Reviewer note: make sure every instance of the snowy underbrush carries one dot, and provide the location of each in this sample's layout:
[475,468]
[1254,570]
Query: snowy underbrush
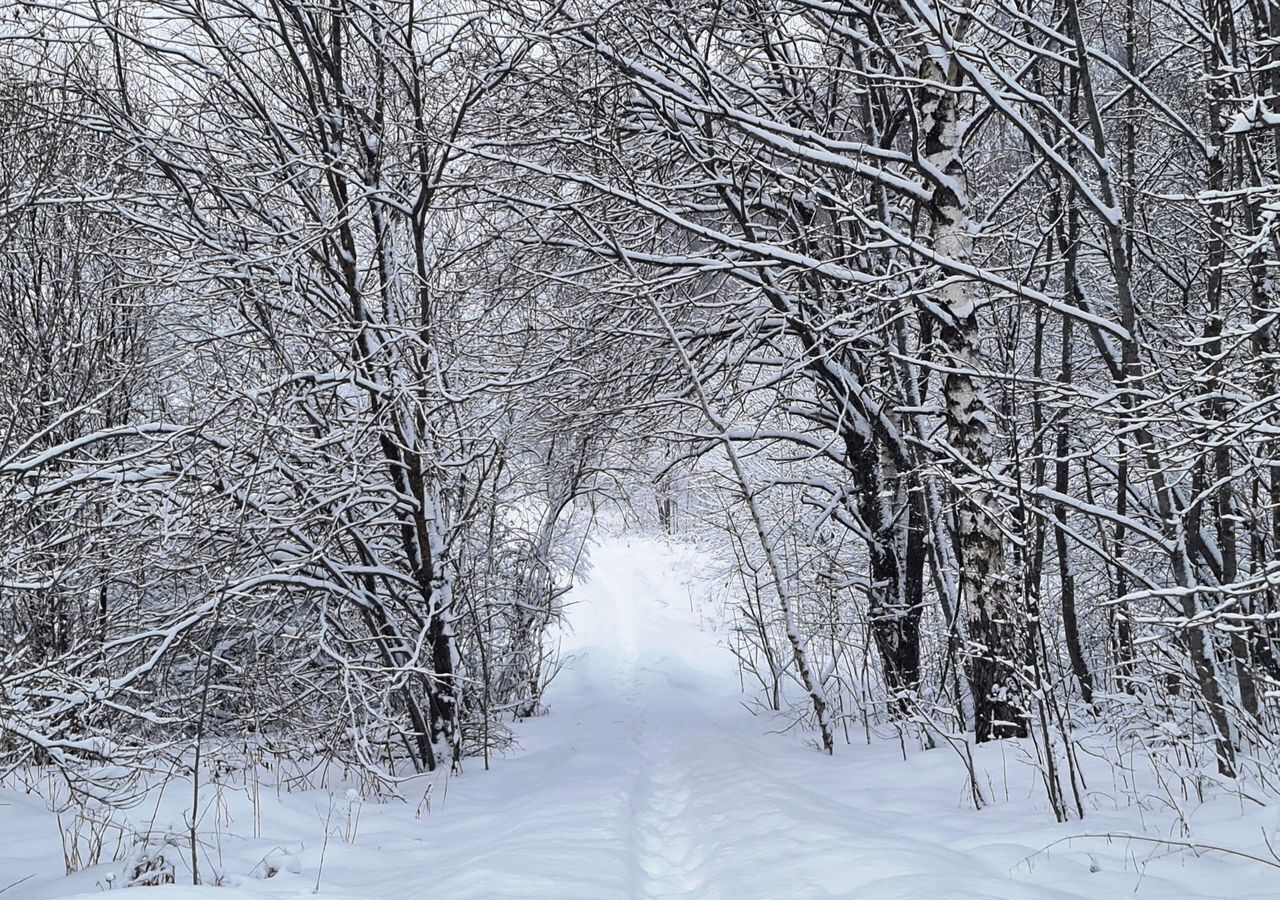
[1123,774]
[1155,799]
[255,811]
[139,828]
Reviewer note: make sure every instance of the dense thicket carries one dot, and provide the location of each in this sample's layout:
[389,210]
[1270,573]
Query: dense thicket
[330,325]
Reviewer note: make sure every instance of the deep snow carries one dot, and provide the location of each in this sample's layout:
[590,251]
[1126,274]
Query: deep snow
[650,779]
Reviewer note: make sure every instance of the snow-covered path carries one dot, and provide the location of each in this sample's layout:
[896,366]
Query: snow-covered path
[650,780]
[695,792]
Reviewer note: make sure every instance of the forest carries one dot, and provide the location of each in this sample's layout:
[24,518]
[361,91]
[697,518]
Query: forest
[337,332]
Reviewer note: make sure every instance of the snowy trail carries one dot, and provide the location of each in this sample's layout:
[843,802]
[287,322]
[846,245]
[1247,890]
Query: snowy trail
[706,812]
[654,782]
[648,779]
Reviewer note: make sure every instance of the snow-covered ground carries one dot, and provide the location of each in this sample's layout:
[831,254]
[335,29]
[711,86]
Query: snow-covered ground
[650,779]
